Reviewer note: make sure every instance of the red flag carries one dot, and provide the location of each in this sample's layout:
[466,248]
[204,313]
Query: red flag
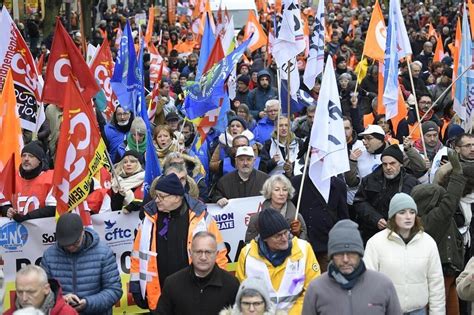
[157,67]
[215,56]
[80,152]
[40,63]
[8,180]
[66,60]
[102,67]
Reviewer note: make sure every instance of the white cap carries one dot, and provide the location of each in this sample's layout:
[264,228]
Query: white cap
[371,129]
[247,151]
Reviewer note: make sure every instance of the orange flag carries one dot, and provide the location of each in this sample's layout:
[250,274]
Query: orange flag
[439,52]
[65,60]
[431,30]
[149,26]
[376,34]
[81,151]
[354,4]
[259,38]
[470,7]
[11,140]
[455,52]
[8,181]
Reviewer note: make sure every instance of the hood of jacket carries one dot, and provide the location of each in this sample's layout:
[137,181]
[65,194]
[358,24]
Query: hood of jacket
[427,197]
[263,73]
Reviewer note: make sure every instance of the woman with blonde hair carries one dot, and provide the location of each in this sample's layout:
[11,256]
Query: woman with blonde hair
[165,141]
[409,257]
[127,188]
[278,192]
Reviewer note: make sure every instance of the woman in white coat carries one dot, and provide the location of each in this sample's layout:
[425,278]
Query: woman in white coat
[409,257]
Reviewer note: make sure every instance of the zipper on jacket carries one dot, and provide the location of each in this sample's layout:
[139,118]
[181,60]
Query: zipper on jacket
[349,293]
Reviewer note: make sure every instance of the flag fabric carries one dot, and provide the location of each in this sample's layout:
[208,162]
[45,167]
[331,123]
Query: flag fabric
[204,95]
[465,84]
[291,66]
[380,86]
[102,67]
[66,59]
[152,165]
[301,100]
[91,52]
[207,42]
[124,81]
[402,110]
[228,40]
[431,30]
[11,140]
[158,69]
[16,55]
[216,55]
[8,180]
[315,62]
[374,46]
[149,26]
[253,26]
[439,51]
[403,42]
[327,142]
[81,151]
[289,39]
[470,7]
[393,53]
[455,50]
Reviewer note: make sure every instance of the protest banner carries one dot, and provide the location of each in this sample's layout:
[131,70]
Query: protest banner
[24,243]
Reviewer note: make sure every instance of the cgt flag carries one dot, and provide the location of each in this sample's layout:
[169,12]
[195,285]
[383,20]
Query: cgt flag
[81,152]
[66,62]
[16,55]
[328,142]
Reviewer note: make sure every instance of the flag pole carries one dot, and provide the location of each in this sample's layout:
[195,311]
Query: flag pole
[280,104]
[81,25]
[288,101]
[440,97]
[300,192]
[416,107]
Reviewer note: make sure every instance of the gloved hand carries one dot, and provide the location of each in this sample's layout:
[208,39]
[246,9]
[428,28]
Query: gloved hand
[295,228]
[453,158]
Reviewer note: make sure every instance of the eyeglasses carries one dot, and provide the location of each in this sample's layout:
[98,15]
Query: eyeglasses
[425,102]
[161,196]
[467,145]
[122,114]
[206,253]
[252,304]
[282,234]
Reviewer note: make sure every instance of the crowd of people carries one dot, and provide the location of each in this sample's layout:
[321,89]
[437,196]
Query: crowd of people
[394,237]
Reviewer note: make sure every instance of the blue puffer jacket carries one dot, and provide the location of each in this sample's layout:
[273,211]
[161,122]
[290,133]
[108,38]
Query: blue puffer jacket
[90,273]
[264,129]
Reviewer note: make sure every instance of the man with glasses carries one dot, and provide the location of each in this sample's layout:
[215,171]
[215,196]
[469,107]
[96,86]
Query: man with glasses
[34,290]
[266,125]
[116,131]
[286,264]
[348,287]
[208,287]
[84,265]
[163,242]
[464,145]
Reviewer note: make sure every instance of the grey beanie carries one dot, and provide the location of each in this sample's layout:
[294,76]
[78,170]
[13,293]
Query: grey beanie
[258,285]
[344,237]
[399,202]
[138,126]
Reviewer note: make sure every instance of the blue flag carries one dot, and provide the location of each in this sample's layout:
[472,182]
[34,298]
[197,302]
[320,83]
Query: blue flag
[303,99]
[205,94]
[207,42]
[152,163]
[125,82]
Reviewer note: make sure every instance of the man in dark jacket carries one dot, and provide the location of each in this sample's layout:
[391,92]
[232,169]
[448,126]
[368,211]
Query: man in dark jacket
[34,290]
[319,215]
[377,189]
[207,288]
[85,267]
[260,95]
[241,95]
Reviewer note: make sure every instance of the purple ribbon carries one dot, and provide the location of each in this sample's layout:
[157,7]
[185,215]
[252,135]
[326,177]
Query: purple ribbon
[164,229]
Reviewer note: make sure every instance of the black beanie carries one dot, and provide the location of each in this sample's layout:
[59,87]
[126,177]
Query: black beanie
[393,151]
[135,154]
[35,149]
[245,79]
[239,119]
[271,222]
[340,59]
[170,184]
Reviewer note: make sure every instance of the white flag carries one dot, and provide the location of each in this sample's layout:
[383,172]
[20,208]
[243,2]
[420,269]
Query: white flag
[294,76]
[328,141]
[289,41]
[315,63]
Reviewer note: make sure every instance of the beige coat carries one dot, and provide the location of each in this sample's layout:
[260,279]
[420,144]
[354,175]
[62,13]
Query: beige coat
[465,284]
